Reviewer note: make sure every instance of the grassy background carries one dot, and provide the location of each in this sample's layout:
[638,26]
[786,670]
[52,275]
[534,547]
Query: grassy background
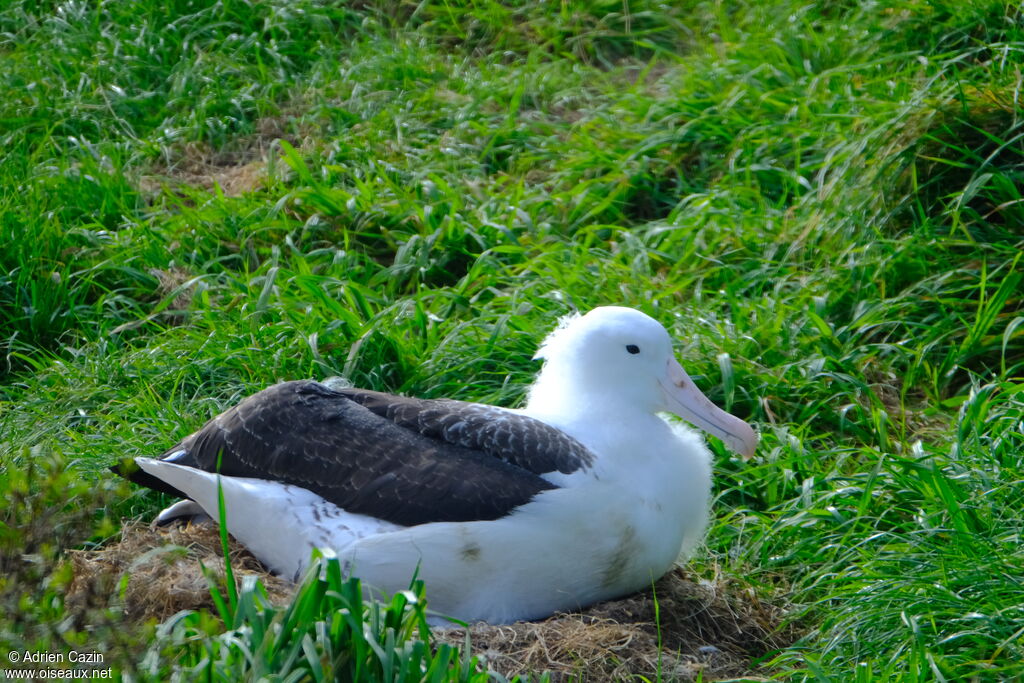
[822,203]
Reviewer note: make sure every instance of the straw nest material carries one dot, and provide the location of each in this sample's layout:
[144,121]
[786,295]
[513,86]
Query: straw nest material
[709,629]
[157,572]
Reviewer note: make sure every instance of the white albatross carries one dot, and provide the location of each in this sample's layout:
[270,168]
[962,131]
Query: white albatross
[585,494]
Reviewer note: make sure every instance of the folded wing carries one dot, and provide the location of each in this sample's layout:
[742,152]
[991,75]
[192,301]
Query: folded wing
[407,461]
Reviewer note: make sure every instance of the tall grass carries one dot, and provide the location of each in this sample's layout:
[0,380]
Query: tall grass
[822,203]
[327,633]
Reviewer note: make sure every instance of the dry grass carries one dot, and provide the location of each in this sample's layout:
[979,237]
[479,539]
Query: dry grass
[155,573]
[714,629]
[208,172]
[237,168]
[709,629]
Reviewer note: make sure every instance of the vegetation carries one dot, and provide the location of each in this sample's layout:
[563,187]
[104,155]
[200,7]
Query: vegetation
[822,202]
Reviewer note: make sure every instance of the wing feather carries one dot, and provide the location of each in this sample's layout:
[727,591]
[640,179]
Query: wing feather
[407,461]
[512,437]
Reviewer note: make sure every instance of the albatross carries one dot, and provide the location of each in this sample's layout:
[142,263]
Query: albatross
[585,494]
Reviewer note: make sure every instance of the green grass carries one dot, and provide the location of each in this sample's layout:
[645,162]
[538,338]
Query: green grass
[823,204]
[327,633]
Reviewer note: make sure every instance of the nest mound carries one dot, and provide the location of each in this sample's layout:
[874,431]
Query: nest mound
[157,572]
[707,629]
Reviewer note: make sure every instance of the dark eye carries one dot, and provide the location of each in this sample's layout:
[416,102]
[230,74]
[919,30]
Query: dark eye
[633,348]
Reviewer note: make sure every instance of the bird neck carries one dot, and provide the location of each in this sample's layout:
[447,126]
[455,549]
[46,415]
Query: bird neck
[557,391]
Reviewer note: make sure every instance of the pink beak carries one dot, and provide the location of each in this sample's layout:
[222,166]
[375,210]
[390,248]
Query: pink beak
[683,398]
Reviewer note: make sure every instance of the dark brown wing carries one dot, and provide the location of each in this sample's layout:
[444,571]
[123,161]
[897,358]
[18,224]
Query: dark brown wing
[401,468]
[514,438]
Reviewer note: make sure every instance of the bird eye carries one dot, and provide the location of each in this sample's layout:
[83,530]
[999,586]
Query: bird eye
[633,348]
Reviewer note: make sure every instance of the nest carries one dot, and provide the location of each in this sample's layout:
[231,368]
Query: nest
[156,572]
[707,631]
[681,629]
